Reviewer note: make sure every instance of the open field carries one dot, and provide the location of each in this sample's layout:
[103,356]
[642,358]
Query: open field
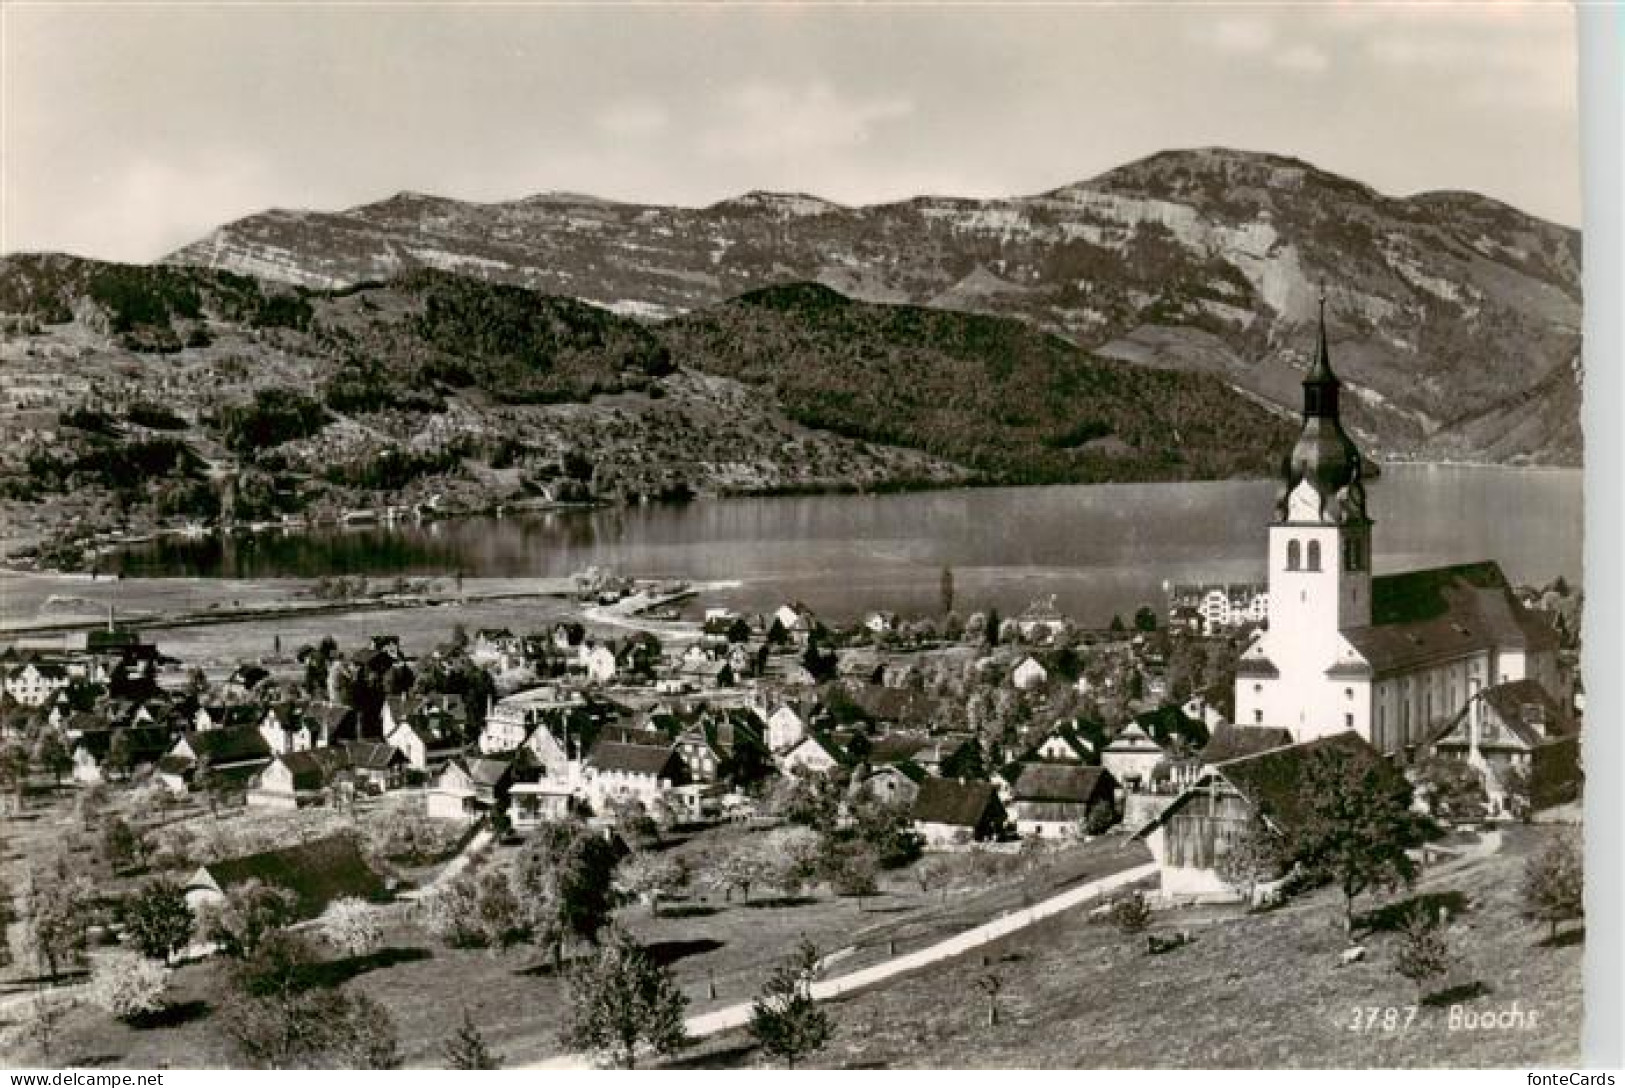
[708,942]
[1251,991]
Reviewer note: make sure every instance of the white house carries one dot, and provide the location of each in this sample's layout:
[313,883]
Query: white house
[618,772]
[35,681]
[785,729]
[598,661]
[1131,757]
[1029,675]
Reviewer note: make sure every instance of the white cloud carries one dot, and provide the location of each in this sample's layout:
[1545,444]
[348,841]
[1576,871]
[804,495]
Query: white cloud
[633,118]
[1239,35]
[1303,58]
[760,121]
[129,210]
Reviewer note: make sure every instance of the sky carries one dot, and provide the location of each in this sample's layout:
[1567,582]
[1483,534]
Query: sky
[130,129]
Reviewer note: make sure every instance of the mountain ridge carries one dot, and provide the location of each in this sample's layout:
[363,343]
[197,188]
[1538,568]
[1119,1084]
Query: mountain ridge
[1446,305]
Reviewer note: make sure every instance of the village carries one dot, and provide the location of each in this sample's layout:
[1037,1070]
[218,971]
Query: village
[877,787]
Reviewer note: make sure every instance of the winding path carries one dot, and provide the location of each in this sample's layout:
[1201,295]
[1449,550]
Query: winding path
[734,1016]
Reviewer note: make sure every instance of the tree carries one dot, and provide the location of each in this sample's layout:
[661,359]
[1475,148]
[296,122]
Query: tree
[57,924]
[466,1049]
[1145,619]
[450,911]
[570,872]
[365,1036]
[933,874]
[51,756]
[622,999]
[1519,786]
[158,919]
[128,985]
[990,632]
[45,1015]
[649,876]
[851,867]
[251,911]
[785,1019]
[1251,857]
[945,591]
[1099,818]
[122,845]
[1131,913]
[1451,788]
[1554,883]
[1424,952]
[120,755]
[990,984]
[279,1020]
[1355,825]
[1116,626]
[351,927]
[14,772]
[207,782]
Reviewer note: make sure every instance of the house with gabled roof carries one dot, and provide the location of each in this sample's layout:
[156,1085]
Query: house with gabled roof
[1190,836]
[235,755]
[318,874]
[785,729]
[1029,674]
[429,730]
[1052,800]
[894,784]
[285,730]
[616,772]
[377,766]
[949,812]
[294,780]
[1070,741]
[469,786]
[724,743]
[146,745]
[227,716]
[816,754]
[33,682]
[1132,757]
[1513,731]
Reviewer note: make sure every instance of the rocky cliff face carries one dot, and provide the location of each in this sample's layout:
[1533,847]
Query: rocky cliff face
[1455,320]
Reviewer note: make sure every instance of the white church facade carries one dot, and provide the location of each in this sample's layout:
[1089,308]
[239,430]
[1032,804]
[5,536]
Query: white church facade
[1389,657]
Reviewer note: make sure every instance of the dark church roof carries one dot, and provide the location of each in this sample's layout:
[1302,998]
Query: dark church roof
[1443,613]
[1239,741]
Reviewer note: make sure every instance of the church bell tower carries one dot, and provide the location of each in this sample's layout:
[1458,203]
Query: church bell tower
[1320,539]
[1301,673]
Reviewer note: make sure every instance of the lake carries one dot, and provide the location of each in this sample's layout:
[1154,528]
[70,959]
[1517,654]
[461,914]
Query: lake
[1100,549]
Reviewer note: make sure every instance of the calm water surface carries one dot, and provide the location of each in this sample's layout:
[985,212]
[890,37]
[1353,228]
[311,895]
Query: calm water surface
[1099,549]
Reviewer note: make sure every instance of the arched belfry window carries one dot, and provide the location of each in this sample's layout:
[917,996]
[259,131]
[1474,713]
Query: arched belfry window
[1314,555]
[1293,555]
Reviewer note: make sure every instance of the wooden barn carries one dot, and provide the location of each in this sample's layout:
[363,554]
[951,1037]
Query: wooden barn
[1189,837]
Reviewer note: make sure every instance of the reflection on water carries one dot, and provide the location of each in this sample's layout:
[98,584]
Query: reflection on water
[1100,549]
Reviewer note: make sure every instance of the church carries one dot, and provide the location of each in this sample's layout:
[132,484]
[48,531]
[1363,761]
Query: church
[1393,657]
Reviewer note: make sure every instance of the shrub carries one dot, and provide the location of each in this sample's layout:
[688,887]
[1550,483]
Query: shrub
[1131,913]
[128,985]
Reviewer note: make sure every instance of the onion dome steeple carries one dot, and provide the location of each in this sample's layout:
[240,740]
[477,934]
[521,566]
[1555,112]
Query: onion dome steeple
[1324,457]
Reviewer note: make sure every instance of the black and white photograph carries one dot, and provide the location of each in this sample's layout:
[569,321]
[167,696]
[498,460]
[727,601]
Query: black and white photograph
[799,536]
